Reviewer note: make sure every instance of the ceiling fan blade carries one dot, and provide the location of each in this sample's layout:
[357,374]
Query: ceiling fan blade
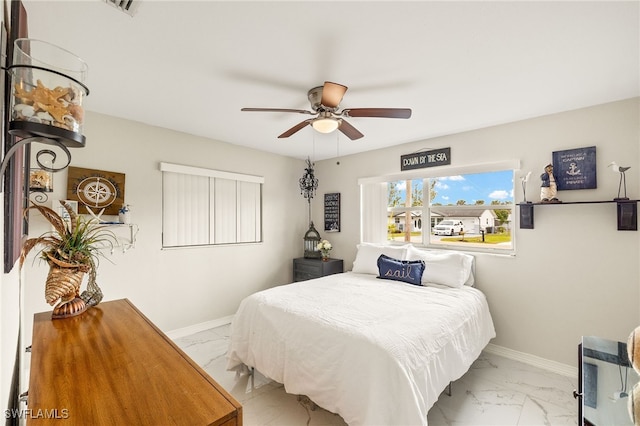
[332,94]
[295,128]
[299,111]
[350,131]
[378,112]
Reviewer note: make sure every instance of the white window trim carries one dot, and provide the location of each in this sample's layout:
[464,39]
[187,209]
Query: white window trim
[438,172]
[443,171]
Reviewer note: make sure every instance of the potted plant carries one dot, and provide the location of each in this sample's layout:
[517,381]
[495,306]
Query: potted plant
[71,249]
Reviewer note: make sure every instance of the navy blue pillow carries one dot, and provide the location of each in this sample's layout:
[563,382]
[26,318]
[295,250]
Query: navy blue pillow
[408,271]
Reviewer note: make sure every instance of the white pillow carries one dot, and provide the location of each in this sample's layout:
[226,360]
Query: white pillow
[368,253]
[449,268]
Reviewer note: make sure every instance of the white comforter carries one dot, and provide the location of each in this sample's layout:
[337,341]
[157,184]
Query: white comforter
[375,351]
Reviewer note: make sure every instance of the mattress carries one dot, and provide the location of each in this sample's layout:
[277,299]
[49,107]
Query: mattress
[371,350]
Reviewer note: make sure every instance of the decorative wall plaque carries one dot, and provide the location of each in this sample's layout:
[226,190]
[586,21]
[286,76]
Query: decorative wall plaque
[575,168]
[96,189]
[332,212]
[423,159]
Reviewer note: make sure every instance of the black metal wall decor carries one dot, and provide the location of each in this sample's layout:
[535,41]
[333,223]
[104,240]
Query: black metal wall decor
[308,186]
[42,103]
[308,182]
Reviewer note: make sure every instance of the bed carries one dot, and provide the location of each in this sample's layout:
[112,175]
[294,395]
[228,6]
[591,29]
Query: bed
[375,351]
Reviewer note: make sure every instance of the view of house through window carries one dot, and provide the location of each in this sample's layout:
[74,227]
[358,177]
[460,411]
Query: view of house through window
[472,210]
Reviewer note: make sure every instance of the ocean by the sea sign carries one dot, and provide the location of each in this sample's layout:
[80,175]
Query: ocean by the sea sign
[423,159]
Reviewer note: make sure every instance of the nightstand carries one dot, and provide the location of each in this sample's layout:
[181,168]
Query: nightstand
[306,269]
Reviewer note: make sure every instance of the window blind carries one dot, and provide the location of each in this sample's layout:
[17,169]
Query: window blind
[205,206]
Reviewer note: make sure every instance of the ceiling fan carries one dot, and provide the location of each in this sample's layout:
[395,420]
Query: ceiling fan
[324,103]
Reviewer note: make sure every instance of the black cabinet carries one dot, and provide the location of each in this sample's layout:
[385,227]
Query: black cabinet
[306,269]
[606,382]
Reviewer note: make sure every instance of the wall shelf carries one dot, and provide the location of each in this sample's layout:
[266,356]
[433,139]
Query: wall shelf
[627,212]
[125,233]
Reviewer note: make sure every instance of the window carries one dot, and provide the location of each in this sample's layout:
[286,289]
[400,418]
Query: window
[467,208]
[204,207]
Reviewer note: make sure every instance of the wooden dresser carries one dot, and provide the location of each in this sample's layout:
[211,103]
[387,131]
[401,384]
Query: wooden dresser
[112,366]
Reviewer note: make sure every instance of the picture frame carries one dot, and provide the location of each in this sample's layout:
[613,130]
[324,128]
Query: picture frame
[332,212]
[575,168]
[96,189]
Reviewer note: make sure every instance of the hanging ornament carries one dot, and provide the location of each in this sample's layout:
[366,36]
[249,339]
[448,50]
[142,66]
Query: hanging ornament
[308,182]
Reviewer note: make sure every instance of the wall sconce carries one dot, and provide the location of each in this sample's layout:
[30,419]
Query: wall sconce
[40,180]
[45,104]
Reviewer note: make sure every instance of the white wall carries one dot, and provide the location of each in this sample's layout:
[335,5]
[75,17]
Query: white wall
[574,274]
[568,279]
[181,287]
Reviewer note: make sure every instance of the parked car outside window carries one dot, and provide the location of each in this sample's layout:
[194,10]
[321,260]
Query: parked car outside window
[448,227]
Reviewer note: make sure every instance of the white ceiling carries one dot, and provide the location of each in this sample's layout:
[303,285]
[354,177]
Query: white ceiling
[191,66]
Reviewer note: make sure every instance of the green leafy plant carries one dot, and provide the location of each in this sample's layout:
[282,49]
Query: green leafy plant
[76,243]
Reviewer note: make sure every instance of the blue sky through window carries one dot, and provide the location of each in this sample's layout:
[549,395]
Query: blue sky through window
[470,187]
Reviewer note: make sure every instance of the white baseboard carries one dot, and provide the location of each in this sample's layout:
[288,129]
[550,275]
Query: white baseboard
[196,328]
[536,361]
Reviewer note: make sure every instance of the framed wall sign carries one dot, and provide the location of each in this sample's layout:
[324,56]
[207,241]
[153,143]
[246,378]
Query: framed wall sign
[332,212]
[575,168]
[96,189]
[423,159]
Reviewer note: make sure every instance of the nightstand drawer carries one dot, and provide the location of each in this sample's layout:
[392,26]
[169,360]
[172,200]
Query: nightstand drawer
[306,269]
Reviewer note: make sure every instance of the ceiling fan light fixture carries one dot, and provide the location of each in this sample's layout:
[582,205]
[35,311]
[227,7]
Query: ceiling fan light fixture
[325,125]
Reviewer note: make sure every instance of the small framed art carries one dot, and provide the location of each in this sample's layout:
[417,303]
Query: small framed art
[575,168]
[332,212]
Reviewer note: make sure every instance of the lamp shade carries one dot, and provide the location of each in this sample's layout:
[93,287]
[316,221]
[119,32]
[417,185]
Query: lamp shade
[325,125]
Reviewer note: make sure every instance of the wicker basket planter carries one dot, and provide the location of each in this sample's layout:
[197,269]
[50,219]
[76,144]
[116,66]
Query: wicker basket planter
[63,285]
[71,250]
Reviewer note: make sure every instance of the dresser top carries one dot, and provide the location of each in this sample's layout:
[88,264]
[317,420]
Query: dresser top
[111,365]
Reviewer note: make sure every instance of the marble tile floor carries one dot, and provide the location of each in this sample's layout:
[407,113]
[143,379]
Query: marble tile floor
[495,391]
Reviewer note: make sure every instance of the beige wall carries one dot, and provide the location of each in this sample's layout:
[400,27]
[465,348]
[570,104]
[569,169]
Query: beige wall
[181,287]
[574,274]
